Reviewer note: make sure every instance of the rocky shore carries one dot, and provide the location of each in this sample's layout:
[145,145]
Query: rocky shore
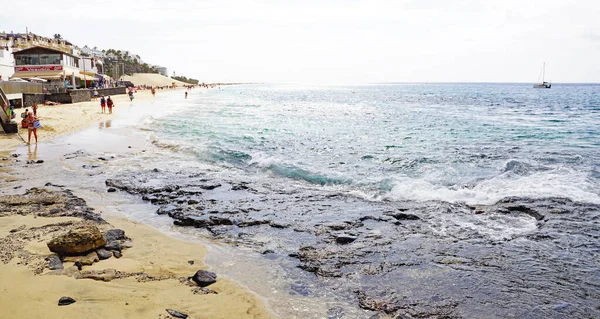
[400,259]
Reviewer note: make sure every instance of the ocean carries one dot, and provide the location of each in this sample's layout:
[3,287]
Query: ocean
[350,201]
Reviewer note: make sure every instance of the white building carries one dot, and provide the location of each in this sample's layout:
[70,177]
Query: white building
[92,52]
[7,60]
[7,63]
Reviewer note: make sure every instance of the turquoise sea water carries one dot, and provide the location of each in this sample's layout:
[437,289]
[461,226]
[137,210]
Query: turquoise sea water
[472,143]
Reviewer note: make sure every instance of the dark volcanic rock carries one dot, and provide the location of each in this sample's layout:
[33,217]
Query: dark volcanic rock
[403,216]
[117,254]
[111,190]
[103,253]
[54,262]
[345,239]
[113,245]
[65,301]
[204,278]
[77,241]
[167,209]
[176,313]
[115,234]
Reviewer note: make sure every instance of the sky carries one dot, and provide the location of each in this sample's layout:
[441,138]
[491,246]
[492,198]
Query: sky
[334,41]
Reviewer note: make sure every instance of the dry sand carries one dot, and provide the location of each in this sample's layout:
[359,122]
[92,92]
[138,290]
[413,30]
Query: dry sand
[152,79]
[26,293]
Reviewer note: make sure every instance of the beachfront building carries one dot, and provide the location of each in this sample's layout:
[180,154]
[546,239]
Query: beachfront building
[15,42]
[59,67]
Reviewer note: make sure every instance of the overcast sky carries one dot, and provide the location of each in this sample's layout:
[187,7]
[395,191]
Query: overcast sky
[334,41]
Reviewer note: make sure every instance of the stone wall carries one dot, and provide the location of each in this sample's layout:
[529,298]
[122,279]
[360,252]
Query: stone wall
[80,96]
[63,98]
[112,91]
[29,98]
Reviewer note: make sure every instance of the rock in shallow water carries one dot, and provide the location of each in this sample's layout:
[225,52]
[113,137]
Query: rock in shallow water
[344,239]
[77,241]
[65,301]
[176,313]
[204,278]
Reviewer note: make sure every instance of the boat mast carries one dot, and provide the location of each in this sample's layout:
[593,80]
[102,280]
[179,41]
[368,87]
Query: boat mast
[544,73]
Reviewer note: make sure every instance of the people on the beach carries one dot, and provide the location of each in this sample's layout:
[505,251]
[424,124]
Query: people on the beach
[110,104]
[186,95]
[11,111]
[34,108]
[24,118]
[131,95]
[103,104]
[153,92]
[95,94]
[32,124]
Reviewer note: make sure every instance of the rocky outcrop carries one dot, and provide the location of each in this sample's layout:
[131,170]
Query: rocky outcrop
[77,241]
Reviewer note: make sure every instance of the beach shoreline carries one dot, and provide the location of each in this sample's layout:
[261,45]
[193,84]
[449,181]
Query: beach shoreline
[154,253]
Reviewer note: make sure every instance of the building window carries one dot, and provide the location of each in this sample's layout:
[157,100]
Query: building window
[37,59]
[49,59]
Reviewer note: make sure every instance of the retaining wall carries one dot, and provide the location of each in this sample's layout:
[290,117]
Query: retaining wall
[29,98]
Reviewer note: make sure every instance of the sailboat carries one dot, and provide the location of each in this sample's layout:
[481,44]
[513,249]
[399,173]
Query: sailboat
[543,84]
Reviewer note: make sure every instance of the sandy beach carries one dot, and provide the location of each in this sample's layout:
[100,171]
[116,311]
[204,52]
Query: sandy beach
[151,276]
[63,119]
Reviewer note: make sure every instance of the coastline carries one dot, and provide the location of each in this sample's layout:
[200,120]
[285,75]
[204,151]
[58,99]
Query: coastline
[63,119]
[154,253]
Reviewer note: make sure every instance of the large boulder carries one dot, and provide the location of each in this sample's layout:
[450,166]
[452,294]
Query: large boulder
[77,241]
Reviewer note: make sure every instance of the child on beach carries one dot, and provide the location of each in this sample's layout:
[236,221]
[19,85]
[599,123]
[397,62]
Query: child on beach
[103,104]
[131,96]
[186,95]
[31,127]
[153,92]
[110,104]
[34,108]
[24,118]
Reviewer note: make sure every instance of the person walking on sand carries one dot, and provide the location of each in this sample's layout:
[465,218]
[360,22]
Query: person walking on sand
[103,104]
[110,104]
[131,95]
[34,108]
[153,92]
[32,124]
[186,94]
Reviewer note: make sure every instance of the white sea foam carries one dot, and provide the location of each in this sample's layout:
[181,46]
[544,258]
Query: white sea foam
[561,182]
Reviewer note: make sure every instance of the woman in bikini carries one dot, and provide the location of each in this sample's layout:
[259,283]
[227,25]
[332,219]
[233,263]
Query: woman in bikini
[31,127]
